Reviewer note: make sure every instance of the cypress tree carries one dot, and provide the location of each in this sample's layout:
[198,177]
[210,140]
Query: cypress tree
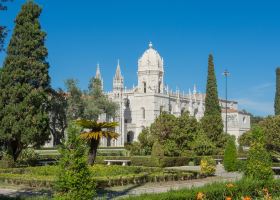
[212,121]
[277,93]
[212,106]
[230,156]
[24,84]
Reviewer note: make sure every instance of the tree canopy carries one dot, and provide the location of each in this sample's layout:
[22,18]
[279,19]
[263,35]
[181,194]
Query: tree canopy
[25,84]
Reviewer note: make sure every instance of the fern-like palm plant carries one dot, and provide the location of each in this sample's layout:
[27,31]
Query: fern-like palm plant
[93,131]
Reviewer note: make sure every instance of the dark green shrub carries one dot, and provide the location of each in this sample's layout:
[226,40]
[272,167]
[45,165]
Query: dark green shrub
[230,156]
[75,180]
[175,161]
[144,161]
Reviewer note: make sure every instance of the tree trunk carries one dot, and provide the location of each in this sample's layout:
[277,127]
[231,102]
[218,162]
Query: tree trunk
[15,149]
[92,151]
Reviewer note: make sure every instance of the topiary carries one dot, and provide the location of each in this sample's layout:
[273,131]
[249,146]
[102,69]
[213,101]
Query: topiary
[230,156]
[207,166]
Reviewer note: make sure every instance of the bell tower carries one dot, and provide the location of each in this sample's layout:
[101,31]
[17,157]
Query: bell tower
[150,72]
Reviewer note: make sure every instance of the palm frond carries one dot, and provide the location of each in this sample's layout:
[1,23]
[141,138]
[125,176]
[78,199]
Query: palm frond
[99,134]
[91,124]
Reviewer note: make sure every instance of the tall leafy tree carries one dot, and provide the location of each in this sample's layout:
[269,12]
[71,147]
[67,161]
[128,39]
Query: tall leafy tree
[277,93]
[212,121]
[24,84]
[97,103]
[75,103]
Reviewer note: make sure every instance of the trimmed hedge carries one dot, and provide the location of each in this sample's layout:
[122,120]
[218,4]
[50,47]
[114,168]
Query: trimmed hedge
[44,177]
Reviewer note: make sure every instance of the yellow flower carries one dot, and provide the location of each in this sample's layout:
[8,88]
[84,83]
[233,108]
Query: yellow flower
[200,196]
[229,185]
[228,198]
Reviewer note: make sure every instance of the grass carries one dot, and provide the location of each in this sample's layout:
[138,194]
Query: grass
[219,191]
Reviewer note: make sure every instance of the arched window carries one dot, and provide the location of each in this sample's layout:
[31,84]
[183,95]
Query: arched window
[130,137]
[159,85]
[182,111]
[145,87]
[143,113]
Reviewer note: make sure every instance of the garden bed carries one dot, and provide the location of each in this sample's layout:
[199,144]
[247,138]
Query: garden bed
[105,176]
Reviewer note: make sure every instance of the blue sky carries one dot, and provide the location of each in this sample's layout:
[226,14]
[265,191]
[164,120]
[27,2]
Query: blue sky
[244,37]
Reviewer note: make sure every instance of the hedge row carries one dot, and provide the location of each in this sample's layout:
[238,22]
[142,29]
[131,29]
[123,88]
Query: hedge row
[102,182]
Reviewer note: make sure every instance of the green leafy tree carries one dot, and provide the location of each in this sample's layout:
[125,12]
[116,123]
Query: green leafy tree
[258,165]
[277,93]
[212,121]
[163,126]
[271,128]
[74,178]
[202,145]
[184,131]
[146,140]
[57,114]
[75,103]
[93,132]
[230,156]
[97,102]
[24,84]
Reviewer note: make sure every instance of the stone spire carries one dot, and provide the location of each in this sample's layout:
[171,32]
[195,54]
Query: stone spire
[194,89]
[118,80]
[98,75]
[118,74]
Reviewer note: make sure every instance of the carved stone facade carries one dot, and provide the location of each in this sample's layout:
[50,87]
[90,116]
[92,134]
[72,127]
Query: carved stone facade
[139,106]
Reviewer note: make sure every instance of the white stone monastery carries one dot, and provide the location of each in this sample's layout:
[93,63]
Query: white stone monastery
[140,106]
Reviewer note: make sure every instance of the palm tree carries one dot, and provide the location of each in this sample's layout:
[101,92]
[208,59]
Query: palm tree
[93,132]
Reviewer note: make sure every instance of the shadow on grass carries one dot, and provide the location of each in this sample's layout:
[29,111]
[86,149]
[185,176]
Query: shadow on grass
[27,194]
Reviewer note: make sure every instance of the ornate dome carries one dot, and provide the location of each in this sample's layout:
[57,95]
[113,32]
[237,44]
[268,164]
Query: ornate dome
[150,60]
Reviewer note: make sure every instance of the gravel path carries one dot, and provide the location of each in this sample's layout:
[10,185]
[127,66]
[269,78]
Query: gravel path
[120,192]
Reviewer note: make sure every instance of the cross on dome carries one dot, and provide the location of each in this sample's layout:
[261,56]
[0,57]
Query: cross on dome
[150,44]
